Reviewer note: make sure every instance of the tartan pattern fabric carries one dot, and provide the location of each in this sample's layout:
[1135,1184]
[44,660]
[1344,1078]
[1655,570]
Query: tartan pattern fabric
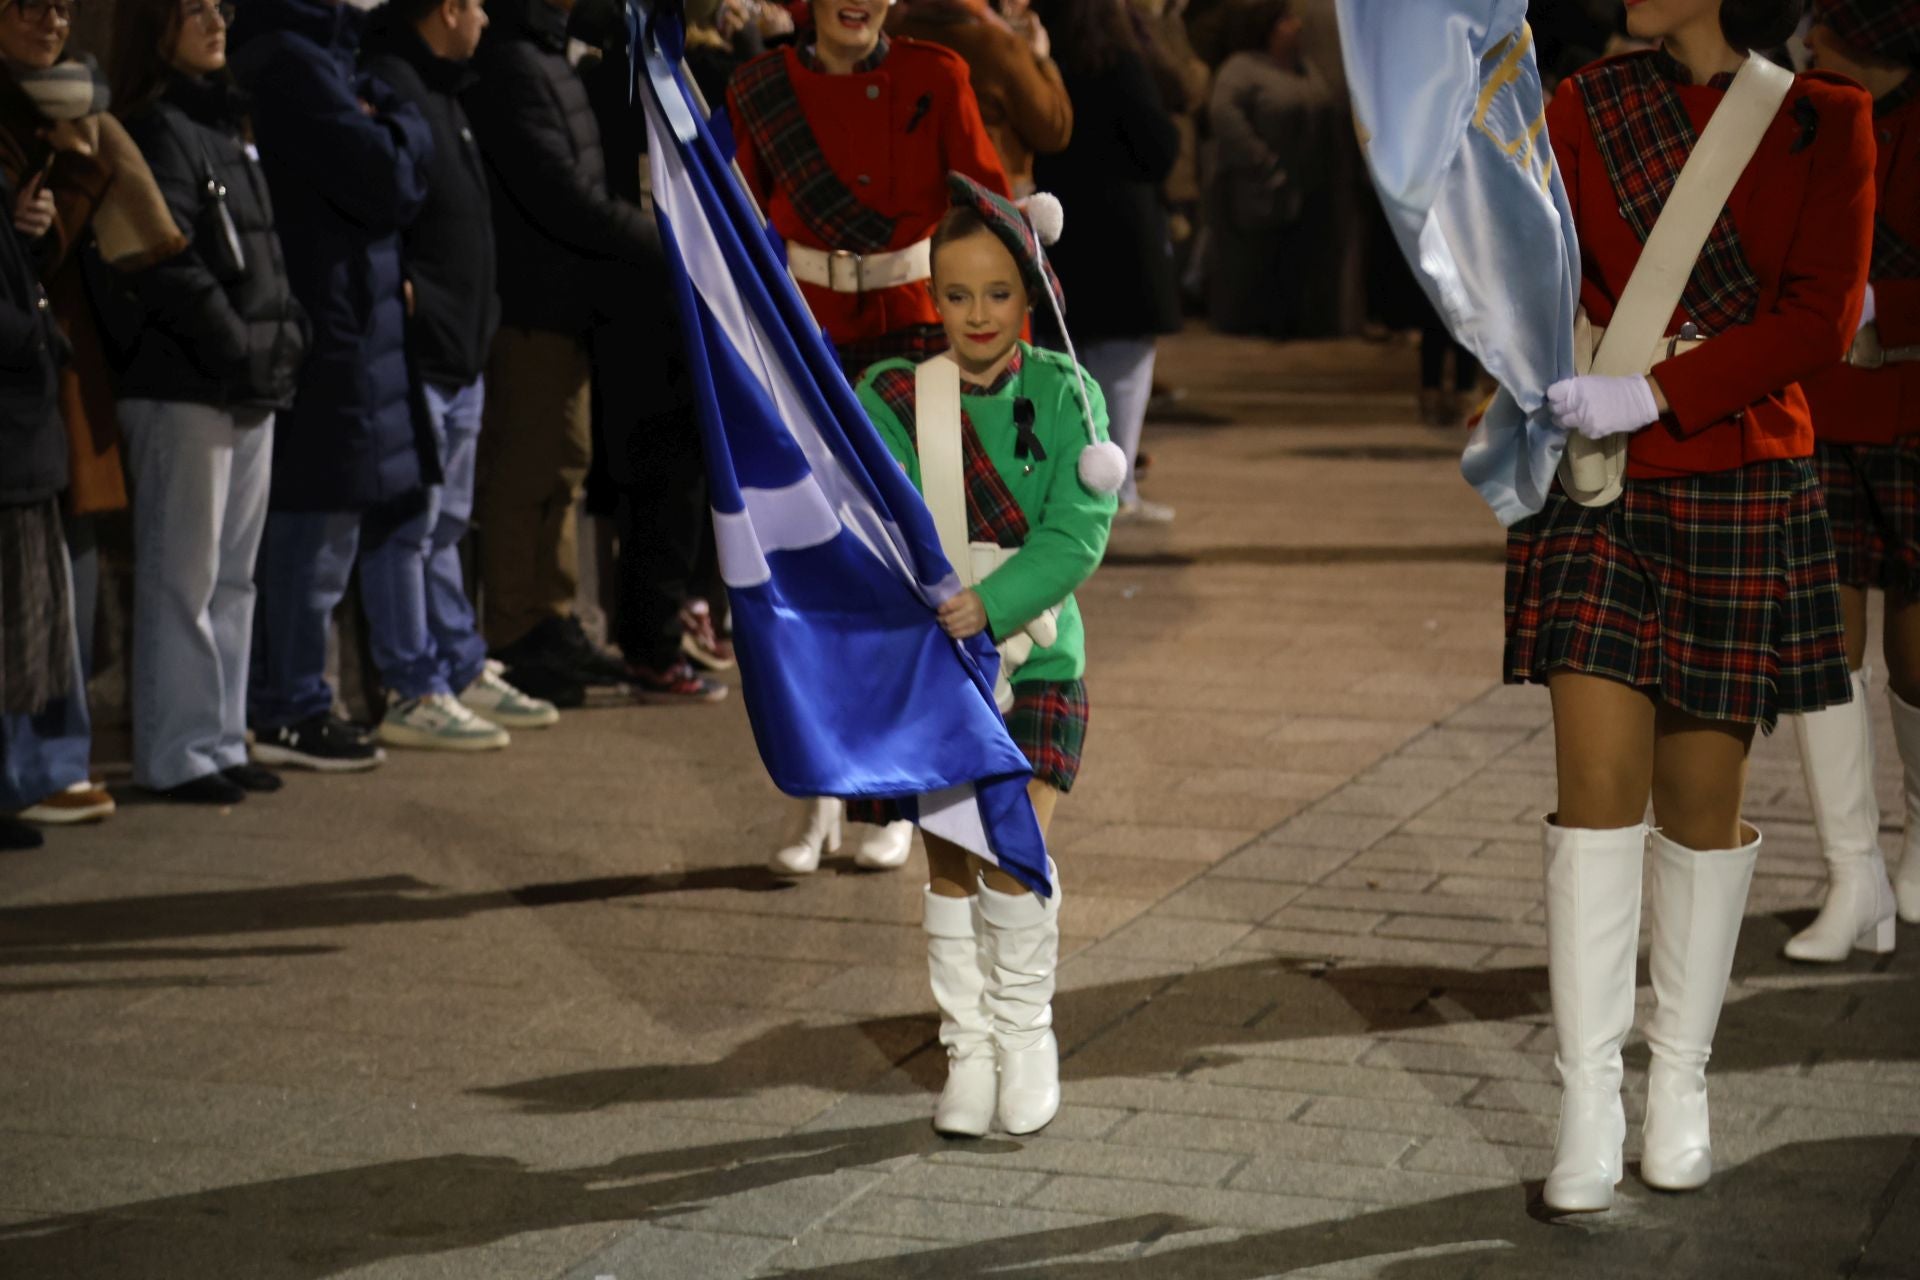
[915,342]
[1644,138]
[784,138]
[1011,227]
[1890,28]
[992,513]
[1873,501]
[1048,722]
[1713,593]
[1894,257]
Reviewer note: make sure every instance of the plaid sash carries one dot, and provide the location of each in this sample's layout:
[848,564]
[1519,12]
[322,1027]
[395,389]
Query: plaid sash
[785,140]
[992,514]
[1645,138]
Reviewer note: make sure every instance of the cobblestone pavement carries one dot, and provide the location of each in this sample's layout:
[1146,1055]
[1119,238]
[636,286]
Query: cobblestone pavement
[541,1014]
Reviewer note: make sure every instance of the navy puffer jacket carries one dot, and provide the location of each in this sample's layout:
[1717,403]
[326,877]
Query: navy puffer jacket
[344,182]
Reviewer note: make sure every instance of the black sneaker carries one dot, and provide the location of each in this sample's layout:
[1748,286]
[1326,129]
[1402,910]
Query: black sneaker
[208,788]
[324,742]
[19,835]
[591,664]
[558,650]
[251,777]
[545,680]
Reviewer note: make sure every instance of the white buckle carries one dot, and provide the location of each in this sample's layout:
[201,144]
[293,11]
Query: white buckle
[845,272]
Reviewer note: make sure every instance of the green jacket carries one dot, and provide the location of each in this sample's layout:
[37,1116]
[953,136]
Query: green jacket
[1067,524]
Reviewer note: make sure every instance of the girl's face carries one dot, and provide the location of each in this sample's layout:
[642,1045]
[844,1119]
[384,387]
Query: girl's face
[981,299]
[200,37]
[33,32]
[1655,19]
[849,28]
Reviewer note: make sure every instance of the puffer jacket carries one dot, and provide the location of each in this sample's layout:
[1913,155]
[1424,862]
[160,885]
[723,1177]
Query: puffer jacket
[347,162]
[215,331]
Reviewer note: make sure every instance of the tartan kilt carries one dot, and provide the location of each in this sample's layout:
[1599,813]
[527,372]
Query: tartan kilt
[1873,500]
[1048,722]
[1715,593]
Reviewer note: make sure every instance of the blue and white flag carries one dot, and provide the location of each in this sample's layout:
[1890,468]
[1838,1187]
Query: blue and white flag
[1451,114]
[831,561]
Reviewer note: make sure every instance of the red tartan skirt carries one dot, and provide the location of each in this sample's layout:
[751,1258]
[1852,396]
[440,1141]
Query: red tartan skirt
[1714,593]
[1048,722]
[1873,499]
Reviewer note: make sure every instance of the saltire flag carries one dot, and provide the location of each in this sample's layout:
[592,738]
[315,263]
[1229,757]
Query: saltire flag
[830,557]
[1448,100]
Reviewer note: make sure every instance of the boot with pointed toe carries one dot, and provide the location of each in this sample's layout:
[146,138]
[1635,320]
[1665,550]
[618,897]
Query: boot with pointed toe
[1699,899]
[816,829]
[1593,936]
[956,968]
[1906,881]
[1022,934]
[1836,754]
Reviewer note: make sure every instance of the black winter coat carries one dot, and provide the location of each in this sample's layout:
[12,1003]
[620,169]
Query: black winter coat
[1115,259]
[561,232]
[215,331]
[450,246]
[345,184]
[33,437]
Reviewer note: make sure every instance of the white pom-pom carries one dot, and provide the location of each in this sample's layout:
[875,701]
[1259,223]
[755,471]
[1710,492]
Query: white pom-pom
[1103,467]
[1044,211]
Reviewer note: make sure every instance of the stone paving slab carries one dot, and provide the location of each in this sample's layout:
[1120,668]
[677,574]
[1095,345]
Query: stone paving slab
[542,1015]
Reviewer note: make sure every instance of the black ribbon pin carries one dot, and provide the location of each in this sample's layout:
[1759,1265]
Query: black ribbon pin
[1028,444]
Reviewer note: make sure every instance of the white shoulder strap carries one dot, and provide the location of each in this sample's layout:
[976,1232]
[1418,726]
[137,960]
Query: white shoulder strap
[936,391]
[1593,469]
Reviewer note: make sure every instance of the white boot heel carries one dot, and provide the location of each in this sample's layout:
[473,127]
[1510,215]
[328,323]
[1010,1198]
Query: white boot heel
[1593,935]
[956,970]
[1022,933]
[816,828]
[1836,754]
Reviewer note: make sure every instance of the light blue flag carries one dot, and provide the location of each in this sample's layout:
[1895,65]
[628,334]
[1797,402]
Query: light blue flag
[1452,117]
[832,564]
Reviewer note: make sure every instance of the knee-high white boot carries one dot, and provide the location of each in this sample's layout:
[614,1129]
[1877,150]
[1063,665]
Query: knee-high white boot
[1836,752]
[883,848]
[816,827]
[1698,900]
[1023,950]
[956,967]
[1593,935]
[1906,732]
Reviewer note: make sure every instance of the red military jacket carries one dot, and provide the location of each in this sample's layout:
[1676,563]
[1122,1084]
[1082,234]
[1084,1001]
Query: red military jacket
[891,134]
[1803,210]
[1877,406]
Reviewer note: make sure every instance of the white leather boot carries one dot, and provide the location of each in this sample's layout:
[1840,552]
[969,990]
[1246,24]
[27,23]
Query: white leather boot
[1906,881]
[957,969]
[1022,933]
[1698,901]
[883,848]
[1836,753]
[816,828]
[1593,936]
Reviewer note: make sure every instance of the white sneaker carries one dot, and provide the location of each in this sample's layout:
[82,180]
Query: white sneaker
[1140,511]
[500,702]
[438,722]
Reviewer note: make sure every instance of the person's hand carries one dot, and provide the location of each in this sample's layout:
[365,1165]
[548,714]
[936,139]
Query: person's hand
[963,615]
[774,21]
[1016,11]
[1598,406]
[80,136]
[33,212]
[406,294]
[1037,38]
[366,108]
[733,15]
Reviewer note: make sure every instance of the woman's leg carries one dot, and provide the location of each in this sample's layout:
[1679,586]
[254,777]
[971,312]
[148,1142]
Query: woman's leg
[1903,674]
[1603,745]
[1124,369]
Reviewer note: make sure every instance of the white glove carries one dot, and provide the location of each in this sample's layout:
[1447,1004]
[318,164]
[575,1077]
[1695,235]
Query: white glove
[1598,406]
[1867,313]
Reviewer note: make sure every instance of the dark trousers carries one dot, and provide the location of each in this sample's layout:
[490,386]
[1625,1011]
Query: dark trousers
[660,518]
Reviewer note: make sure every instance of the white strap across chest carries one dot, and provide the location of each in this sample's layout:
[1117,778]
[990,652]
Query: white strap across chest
[936,391]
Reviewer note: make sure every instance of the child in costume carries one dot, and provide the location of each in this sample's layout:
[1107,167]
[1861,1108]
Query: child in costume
[1008,443]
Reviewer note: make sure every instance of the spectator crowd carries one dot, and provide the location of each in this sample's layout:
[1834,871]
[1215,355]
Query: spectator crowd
[332,302]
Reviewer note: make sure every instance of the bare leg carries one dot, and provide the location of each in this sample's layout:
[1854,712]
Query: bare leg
[1853,615]
[1901,643]
[1603,734]
[1699,776]
[951,870]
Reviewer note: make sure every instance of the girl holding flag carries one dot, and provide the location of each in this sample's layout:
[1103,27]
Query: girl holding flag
[1677,607]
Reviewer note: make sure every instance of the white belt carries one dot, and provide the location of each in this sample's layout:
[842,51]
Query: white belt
[1867,353]
[844,271]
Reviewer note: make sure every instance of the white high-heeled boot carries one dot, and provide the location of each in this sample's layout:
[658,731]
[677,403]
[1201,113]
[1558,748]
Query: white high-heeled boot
[1906,881]
[957,970]
[1699,899]
[1593,936]
[1836,753]
[883,848]
[1022,934]
[817,827]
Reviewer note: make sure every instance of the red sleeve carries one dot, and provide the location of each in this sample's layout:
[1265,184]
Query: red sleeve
[1896,304]
[968,149]
[1822,284]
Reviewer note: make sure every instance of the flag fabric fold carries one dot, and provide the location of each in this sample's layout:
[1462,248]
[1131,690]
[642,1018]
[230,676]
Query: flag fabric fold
[1452,117]
[832,565]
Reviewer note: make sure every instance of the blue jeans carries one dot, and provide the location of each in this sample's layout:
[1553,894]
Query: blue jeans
[1124,369]
[306,559]
[47,752]
[200,477]
[457,645]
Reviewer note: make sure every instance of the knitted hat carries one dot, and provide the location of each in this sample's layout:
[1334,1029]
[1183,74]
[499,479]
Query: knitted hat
[1889,28]
[1026,231]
